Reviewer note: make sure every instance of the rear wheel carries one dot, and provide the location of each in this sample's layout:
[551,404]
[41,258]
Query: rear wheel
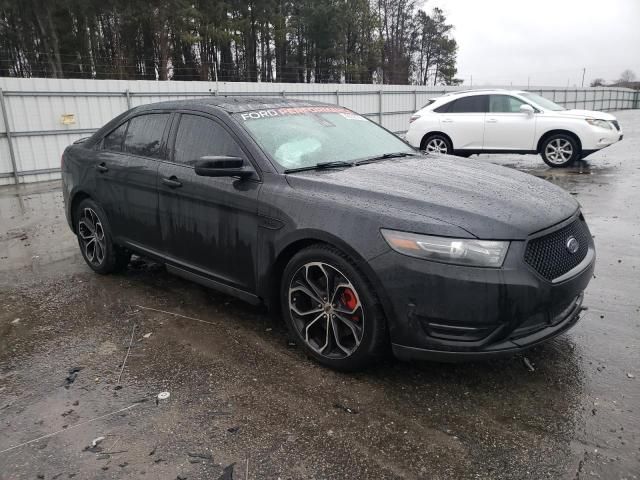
[560,150]
[331,310]
[96,241]
[437,143]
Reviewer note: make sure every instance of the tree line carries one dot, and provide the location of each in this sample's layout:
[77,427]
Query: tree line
[627,79]
[322,41]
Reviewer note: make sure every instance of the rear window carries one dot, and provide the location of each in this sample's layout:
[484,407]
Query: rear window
[113,141]
[144,135]
[446,108]
[472,104]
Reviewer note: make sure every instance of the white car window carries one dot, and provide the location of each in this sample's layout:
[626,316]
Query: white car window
[504,104]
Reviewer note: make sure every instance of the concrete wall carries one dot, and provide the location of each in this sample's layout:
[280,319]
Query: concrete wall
[34,109]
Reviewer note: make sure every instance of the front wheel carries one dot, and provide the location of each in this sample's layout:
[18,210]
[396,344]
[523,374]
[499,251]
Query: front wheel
[95,240]
[436,143]
[559,150]
[330,308]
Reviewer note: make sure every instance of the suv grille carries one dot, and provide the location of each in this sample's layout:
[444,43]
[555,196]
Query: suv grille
[616,124]
[549,255]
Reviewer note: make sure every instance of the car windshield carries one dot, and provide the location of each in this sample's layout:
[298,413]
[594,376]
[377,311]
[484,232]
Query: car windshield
[542,102]
[300,137]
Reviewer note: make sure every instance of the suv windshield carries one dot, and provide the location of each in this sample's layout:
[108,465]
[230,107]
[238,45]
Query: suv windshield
[299,137]
[542,102]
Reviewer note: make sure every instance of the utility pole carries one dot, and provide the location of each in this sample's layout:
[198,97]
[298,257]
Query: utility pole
[215,71]
[584,70]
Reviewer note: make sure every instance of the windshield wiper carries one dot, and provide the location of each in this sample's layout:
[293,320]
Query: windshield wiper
[321,166]
[384,157]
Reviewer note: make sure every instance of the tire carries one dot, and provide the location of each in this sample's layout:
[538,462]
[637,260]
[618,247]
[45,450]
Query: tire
[560,150]
[96,241]
[437,144]
[349,333]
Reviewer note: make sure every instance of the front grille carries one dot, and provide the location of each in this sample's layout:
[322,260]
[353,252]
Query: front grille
[616,124]
[549,255]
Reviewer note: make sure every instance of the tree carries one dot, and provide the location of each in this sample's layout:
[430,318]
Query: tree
[627,76]
[597,82]
[232,40]
[396,32]
[435,55]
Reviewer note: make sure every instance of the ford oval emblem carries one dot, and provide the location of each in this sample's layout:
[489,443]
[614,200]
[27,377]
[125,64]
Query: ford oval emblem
[572,245]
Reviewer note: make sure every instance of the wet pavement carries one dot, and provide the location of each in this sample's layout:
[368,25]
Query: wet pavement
[243,401]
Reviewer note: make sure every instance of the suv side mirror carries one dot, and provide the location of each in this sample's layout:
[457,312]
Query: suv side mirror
[222,166]
[528,109]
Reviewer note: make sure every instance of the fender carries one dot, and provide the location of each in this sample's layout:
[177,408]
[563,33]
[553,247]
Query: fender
[274,262]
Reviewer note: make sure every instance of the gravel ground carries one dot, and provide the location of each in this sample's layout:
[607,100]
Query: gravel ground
[245,404]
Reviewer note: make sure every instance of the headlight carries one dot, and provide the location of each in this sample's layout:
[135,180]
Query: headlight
[413,117]
[458,251]
[599,123]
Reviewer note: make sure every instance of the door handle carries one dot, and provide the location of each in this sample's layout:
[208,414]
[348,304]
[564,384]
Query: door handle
[492,120]
[102,168]
[172,182]
[447,120]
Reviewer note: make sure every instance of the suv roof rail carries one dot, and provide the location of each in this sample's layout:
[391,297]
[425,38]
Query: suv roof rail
[476,90]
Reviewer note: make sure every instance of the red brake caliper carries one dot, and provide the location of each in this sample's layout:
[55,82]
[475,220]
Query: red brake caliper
[349,300]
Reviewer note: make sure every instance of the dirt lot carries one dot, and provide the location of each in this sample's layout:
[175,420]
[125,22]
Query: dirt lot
[245,403]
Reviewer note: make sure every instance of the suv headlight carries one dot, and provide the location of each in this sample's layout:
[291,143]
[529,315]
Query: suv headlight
[599,123]
[457,251]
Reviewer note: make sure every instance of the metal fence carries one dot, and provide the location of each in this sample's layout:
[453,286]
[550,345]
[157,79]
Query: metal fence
[40,117]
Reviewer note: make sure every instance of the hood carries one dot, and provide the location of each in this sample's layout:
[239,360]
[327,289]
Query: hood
[488,201]
[582,114]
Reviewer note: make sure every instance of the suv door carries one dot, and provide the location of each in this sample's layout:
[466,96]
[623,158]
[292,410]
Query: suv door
[127,177]
[209,225]
[506,127]
[463,121]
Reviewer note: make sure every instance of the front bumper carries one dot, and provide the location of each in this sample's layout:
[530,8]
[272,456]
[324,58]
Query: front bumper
[447,312]
[504,347]
[599,138]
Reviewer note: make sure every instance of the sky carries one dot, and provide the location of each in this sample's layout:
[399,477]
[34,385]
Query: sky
[543,42]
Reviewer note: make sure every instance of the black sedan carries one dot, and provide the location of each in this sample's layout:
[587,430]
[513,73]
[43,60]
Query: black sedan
[359,241]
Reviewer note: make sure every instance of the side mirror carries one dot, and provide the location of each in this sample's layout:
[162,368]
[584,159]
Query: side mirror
[222,166]
[528,109]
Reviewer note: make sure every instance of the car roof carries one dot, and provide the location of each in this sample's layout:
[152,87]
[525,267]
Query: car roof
[477,91]
[484,91]
[231,104]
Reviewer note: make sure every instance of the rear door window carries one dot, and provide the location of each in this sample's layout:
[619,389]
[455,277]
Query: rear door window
[113,141]
[144,135]
[200,136]
[472,104]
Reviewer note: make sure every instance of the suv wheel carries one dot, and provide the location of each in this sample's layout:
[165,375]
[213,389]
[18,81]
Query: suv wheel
[559,150]
[331,310]
[95,239]
[438,144]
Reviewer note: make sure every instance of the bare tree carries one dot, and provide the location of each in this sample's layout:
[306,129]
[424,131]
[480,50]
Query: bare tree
[597,82]
[627,76]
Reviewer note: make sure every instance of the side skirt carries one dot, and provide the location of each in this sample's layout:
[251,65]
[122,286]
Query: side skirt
[187,272]
[210,283]
[478,152]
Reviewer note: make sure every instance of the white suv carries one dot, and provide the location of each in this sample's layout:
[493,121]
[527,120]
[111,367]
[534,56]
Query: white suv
[505,121]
